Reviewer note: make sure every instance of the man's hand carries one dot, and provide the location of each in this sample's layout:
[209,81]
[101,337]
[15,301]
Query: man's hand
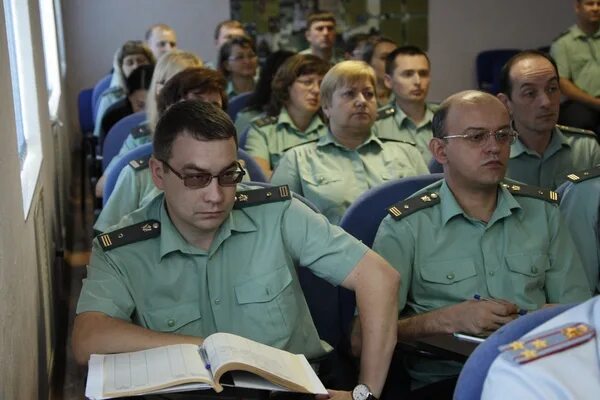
[335,394]
[480,316]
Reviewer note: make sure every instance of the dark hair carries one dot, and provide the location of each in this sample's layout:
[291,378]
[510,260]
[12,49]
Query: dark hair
[390,60]
[372,43]
[438,123]
[230,23]
[201,120]
[140,78]
[505,82]
[203,80]
[353,41]
[319,16]
[226,50]
[150,30]
[262,92]
[294,67]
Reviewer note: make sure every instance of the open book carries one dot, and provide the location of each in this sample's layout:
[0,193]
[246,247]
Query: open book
[190,367]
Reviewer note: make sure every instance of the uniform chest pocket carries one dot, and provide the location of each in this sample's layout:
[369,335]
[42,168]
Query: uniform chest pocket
[529,265]
[448,272]
[321,179]
[268,306]
[185,316]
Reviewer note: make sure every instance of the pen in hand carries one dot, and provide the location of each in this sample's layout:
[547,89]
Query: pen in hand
[480,298]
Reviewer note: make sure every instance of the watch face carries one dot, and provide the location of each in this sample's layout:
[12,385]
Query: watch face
[361,392]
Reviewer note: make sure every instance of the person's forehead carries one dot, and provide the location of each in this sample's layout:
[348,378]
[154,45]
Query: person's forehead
[353,82]
[484,113]
[321,24]
[532,69]
[411,61]
[201,152]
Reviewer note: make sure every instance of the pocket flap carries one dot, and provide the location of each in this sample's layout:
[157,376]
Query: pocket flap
[526,264]
[172,318]
[320,179]
[263,288]
[448,272]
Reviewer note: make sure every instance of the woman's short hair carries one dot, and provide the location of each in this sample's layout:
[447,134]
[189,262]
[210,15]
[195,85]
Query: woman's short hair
[129,48]
[342,74]
[168,65]
[202,80]
[227,48]
[294,67]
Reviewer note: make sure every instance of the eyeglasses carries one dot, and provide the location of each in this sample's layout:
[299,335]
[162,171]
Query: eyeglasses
[203,179]
[481,137]
[242,57]
[308,83]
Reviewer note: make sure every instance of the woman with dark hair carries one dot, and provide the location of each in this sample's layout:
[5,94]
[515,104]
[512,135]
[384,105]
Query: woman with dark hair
[293,114]
[262,93]
[238,63]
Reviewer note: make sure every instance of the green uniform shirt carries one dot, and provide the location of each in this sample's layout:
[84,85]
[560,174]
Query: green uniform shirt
[244,284]
[332,176]
[570,149]
[140,135]
[244,118]
[270,137]
[577,57]
[393,123]
[579,205]
[524,254]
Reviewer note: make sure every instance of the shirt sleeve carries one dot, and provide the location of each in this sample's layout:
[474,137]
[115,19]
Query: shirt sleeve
[580,210]
[565,280]
[507,381]
[313,242]
[418,161]
[103,290]
[123,200]
[395,242]
[559,53]
[287,172]
[256,144]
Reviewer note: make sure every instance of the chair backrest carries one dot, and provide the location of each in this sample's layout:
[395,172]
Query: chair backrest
[117,134]
[562,189]
[113,174]
[237,103]
[488,66]
[256,174]
[244,138]
[471,379]
[84,108]
[100,87]
[363,217]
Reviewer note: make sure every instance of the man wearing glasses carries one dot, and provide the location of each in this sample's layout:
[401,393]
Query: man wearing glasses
[545,153]
[473,236]
[201,258]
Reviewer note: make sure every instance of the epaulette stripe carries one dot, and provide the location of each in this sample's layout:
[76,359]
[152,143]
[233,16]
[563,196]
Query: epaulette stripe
[256,197]
[265,121]
[140,163]
[129,234]
[300,144]
[572,129]
[413,204]
[581,176]
[532,191]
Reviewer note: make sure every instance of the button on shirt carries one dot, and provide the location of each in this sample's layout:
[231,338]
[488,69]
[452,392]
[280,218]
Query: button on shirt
[332,176]
[566,152]
[244,284]
[571,373]
[577,57]
[400,127]
[269,142]
[579,205]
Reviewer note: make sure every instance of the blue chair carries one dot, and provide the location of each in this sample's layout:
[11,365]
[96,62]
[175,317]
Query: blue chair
[117,134]
[237,103]
[112,175]
[86,126]
[562,189]
[256,174]
[488,65]
[471,379]
[99,88]
[363,217]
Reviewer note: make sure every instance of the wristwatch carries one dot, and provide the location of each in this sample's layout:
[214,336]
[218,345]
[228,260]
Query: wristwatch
[362,392]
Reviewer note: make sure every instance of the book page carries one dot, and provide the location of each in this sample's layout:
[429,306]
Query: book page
[230,352]
[149,370]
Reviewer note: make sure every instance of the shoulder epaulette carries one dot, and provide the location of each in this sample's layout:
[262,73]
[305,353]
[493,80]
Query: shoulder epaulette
[561,35]
[140,163]
[140,131]
[409,206]
[129,234]
[395,139]
[300,144]
[113,90]
[385,112]
[531,191]
[248,198]
[571,129]
[581,176]
[264,121]
[548,342]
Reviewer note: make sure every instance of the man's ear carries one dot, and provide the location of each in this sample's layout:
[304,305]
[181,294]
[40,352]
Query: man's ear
[387,81]
[157,170]
[437,147]
[506,101]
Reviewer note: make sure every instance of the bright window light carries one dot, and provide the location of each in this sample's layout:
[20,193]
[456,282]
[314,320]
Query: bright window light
[49,35]
[24,96]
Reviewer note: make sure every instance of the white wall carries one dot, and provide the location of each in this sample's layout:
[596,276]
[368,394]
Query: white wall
[94,29]
[459,29]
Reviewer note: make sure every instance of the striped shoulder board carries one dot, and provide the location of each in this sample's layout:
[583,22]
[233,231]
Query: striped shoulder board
[573,130]
[140,163]
[385,112]
[249,198]
[519,189]
[413,204]
[264,121]
[129,234]
[581,176]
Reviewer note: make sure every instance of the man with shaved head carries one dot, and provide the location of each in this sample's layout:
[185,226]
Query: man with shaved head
[545,153]
[474,236]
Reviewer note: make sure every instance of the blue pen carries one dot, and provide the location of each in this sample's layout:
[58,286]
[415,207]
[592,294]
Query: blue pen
[478,297]
[204,357]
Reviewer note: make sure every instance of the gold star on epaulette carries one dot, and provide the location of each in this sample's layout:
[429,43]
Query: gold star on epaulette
[581,176]
[517,345]
[140,163]
[539,344]
[385,112]
[528,354]
[255,197]
[413,204]
[129,234]
[531,191]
